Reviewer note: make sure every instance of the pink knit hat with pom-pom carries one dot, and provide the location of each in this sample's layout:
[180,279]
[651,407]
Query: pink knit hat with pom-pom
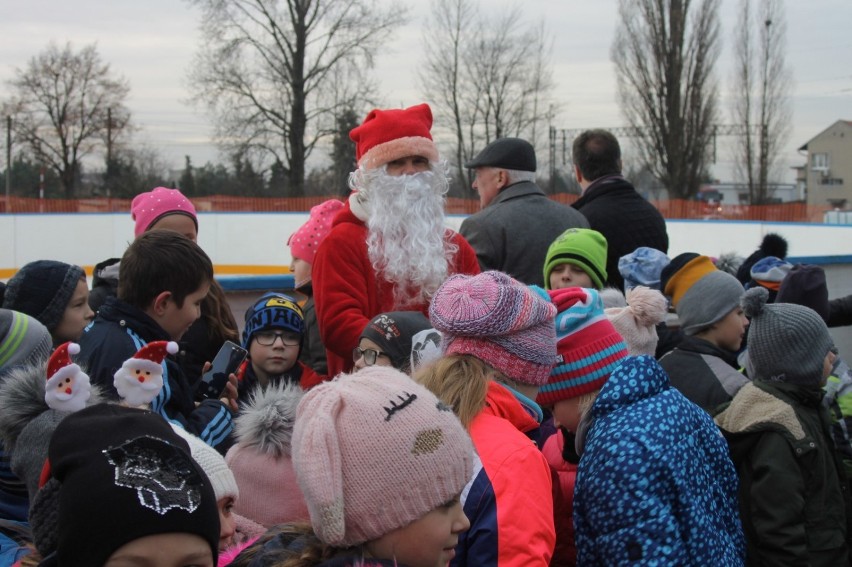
[261,458]
[646,308]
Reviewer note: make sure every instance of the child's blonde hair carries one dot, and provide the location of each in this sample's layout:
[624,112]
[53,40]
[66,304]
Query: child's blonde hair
[460,381]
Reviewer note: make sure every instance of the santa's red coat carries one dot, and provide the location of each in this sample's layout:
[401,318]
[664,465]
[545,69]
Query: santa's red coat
[347,293]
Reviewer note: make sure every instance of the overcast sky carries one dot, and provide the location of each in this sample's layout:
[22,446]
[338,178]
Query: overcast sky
[151,42]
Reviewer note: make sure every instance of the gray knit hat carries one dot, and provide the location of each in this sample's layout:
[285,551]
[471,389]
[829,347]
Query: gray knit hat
[786,342]
[23,340]
[43,289]
[701,294]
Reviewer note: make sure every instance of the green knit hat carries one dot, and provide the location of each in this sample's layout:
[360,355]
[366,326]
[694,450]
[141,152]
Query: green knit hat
[582,247]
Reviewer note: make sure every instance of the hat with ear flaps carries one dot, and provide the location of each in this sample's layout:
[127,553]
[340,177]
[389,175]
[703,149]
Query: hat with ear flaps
[375,451]
[786,342]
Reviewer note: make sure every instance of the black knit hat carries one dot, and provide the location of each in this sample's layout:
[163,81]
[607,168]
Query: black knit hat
[805,285]
[506,153]
[393,333]
[43,289]
[124,474]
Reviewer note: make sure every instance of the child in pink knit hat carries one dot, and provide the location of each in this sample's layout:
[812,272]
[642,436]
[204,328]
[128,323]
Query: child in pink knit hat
[164,208]
[261,459]
[381,463]
[303,249]
[500,345]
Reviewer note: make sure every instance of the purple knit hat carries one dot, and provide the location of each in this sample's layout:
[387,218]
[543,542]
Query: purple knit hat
[500,321]
[375,451]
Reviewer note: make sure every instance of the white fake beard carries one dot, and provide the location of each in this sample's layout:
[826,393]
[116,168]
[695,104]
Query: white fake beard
[406,241]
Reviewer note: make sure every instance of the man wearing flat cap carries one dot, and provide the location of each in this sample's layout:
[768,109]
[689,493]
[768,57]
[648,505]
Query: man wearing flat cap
[517,222]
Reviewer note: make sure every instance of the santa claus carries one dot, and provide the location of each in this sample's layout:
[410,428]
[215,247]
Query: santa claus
[388,249]
[140,379]
[68,387]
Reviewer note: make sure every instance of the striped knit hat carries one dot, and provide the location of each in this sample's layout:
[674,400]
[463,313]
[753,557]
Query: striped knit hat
[589,348]
[500,321]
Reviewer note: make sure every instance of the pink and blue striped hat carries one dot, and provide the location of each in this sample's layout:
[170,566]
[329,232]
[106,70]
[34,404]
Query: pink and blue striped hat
[588,349]
[499,320]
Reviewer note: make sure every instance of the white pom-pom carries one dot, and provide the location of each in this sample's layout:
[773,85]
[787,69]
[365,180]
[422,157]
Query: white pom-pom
[648,305]
[73,348]
[172,347]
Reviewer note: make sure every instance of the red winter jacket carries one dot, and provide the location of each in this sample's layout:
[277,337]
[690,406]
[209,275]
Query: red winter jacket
[564,475]
[509,501]
[347,294]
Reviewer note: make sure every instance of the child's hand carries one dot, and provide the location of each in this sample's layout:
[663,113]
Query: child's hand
[229,396]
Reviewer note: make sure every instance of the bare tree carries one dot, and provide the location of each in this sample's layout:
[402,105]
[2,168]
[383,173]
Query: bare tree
[65,104]
[761,83]
[275,73]
[664,53]
[487,74]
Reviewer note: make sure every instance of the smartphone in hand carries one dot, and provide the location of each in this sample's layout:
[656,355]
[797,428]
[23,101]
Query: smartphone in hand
[214,381]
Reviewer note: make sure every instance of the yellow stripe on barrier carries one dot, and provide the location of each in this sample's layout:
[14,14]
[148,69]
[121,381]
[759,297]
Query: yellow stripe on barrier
[218,269]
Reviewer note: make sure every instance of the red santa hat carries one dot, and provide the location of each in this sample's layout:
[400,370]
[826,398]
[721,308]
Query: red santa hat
[150,356]
[60,365]
[387,135]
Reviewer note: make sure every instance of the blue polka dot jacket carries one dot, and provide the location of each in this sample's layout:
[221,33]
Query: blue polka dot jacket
[655,484]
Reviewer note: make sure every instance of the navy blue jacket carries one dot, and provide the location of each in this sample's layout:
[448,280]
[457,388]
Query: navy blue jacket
[118,331]
[655,484]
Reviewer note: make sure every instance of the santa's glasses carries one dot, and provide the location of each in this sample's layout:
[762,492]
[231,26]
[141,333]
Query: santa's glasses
[368,354]
[267,338]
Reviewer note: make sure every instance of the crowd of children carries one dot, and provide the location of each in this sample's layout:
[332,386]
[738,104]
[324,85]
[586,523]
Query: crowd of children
[509,425]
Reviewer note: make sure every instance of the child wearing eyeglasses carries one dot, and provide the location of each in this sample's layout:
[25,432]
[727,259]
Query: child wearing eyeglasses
[387,338]
[272,335]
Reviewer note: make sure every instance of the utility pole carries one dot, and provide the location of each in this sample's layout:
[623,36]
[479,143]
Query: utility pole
[8,162]
[763,174]
[109,153]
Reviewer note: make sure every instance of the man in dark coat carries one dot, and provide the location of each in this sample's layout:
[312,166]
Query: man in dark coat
[517,222]
[611,204]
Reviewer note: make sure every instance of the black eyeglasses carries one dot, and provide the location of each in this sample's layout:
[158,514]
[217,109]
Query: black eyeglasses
[368,354]
[267,338]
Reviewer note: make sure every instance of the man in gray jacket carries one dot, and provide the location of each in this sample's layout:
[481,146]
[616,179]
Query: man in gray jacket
[517,222]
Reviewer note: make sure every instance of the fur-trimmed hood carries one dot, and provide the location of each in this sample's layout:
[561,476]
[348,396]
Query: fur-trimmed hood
[755,409]
[266,422]
[22,400]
